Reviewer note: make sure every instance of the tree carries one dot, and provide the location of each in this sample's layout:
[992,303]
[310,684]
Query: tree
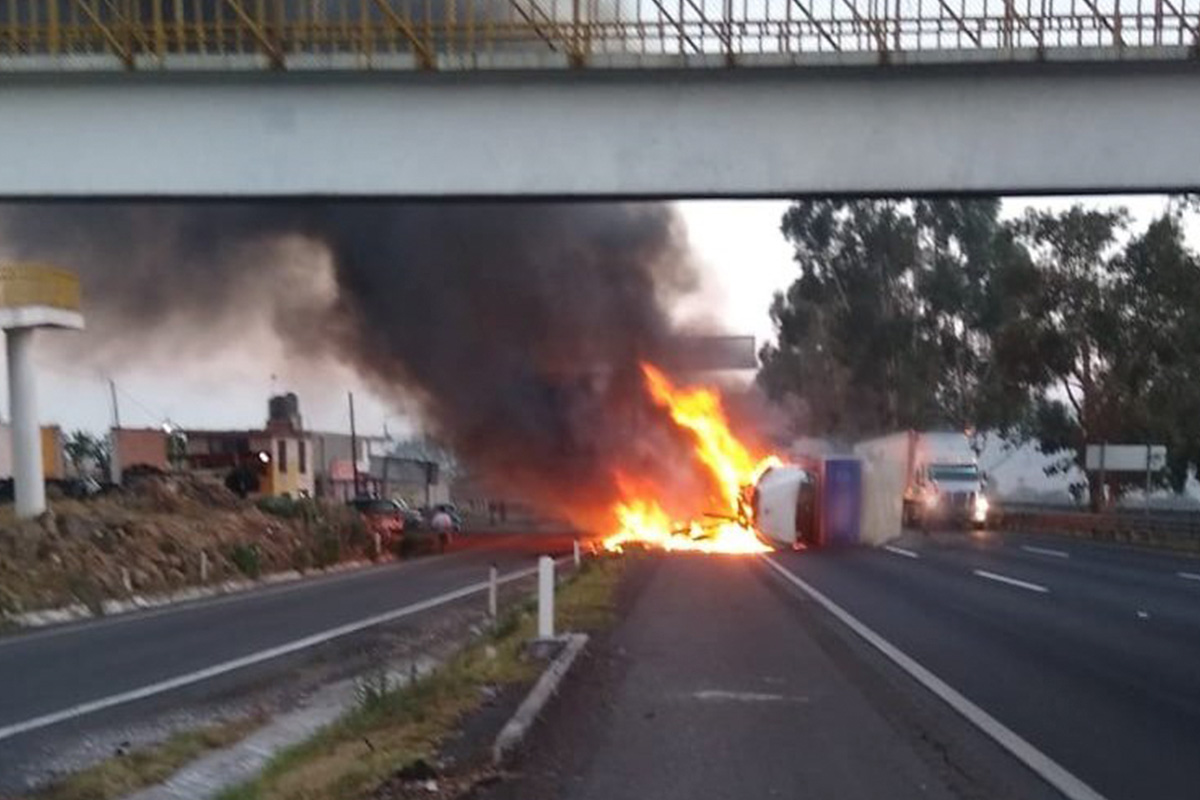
[889,324]
[1058,327]
[1157,287]
[1106,339]
[88,452]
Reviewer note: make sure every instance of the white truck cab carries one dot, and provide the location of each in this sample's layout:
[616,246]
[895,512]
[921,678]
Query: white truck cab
[784,507]
[945,485]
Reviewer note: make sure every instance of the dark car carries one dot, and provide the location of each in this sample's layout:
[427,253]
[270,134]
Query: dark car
[413,519]
[385,517]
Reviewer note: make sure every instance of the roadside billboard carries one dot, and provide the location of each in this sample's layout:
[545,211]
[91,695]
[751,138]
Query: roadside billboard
[1126,457]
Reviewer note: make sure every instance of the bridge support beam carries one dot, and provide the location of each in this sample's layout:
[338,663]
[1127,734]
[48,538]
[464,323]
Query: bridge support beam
[762,131]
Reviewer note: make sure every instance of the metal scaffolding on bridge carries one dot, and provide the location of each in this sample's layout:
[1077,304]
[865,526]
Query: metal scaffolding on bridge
[481,34]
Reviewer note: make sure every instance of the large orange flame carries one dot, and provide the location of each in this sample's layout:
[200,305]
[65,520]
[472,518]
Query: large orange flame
[642,519]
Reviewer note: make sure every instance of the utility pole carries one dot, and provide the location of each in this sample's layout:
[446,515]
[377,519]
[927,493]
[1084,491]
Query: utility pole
[114,457]
[353,443]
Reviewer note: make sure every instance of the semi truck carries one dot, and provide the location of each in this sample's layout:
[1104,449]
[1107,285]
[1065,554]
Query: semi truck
[943,483]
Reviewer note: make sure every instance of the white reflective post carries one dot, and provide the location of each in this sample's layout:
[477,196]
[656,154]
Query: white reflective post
[492,580]
[545,597]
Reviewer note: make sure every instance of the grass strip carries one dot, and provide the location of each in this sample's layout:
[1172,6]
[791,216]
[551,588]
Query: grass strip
[392,726]
[122,774]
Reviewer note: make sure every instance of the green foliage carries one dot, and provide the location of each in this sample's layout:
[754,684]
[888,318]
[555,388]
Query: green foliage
[327,547]
[372,692]
[334,531]
[124,774]
[289,507]
[247,559]
[888,324]
[1061,327]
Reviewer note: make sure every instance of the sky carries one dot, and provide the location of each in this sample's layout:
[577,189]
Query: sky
[743,259]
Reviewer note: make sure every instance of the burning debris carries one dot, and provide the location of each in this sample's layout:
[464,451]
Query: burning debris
[725,527]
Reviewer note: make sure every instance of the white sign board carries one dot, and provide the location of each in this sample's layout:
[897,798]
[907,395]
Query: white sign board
[1126,457]
[705,353]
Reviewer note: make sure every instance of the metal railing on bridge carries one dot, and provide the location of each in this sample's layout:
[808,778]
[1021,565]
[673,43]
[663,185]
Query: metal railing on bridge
[481,34]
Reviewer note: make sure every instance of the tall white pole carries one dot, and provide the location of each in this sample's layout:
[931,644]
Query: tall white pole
[29,486]
[114,454]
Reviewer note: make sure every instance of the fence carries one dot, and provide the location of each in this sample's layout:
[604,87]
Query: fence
[1176,529]
[464,34]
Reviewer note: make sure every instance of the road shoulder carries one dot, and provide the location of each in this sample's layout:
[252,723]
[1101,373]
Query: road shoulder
[719,682]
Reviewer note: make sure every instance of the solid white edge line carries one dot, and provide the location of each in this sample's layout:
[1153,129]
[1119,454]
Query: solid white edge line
[1044,766]
[258,657]
[1189,576]
[900,551]
[1020,584]
[1045,551]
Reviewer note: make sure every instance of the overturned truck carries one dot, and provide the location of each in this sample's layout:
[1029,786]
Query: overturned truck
[803,505]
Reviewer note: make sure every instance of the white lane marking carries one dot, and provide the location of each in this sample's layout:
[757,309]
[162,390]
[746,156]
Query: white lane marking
[1045,551]
[992,576]
[213,671]
[1048,769]
[1189,576]
[900,551]
[213,601]
[747,697]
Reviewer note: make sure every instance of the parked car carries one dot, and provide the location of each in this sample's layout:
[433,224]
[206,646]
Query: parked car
[385,517]
[413,519]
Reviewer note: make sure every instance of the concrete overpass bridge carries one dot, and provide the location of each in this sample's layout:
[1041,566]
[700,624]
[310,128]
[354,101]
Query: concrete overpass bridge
[596,98]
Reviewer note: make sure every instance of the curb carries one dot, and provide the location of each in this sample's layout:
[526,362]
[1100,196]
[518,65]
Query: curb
[517,728]
[113,607]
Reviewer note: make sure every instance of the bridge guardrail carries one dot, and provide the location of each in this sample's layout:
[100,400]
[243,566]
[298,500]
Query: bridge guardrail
[474,34]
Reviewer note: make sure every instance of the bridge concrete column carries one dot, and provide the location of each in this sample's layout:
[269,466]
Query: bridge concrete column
[28,483]
[31,296]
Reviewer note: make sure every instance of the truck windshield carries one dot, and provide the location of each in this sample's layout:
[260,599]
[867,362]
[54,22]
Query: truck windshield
[954,472]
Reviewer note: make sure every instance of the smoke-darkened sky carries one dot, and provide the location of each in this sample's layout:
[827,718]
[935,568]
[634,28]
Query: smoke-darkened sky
[514,331]
[220,372]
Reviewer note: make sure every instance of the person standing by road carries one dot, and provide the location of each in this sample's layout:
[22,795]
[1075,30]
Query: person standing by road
[443,525]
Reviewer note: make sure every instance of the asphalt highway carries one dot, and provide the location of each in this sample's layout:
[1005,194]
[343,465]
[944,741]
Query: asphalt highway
[66,683]
[1089,652]
[1073,669]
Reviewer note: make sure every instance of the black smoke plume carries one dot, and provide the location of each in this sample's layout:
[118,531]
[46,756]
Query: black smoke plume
[518,328]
